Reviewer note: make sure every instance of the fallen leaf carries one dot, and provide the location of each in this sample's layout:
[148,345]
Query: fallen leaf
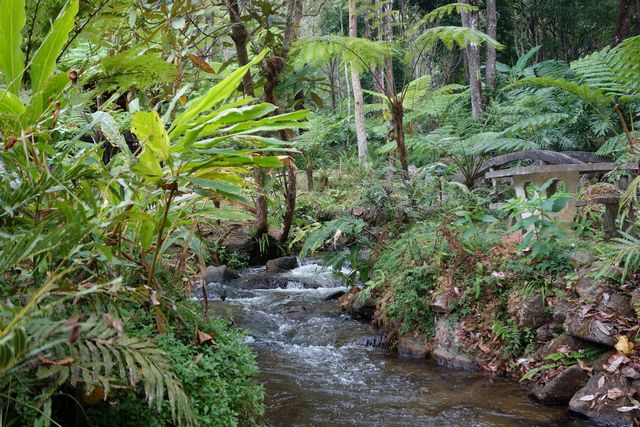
[628,408]
[584,366]
[615,393]
[603,328]
[624,346]
[614,363]
[204,338]
[601,381]
[588,398]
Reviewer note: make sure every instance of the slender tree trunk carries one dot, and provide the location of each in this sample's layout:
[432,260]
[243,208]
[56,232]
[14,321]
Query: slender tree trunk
[492,31]
[262,206]
[361,133]
[240,36]
[309,171]
[290,200]
[470,20]
[398,124]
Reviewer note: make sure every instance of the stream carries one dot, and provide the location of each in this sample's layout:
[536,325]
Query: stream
[317,370]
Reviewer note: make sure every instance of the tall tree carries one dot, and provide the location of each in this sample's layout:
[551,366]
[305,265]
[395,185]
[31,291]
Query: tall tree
[361,133]
[470,20]
[492,31]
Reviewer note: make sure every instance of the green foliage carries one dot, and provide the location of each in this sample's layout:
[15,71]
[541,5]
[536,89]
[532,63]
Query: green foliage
[543,234]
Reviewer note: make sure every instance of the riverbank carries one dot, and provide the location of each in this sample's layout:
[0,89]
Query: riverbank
[320,367]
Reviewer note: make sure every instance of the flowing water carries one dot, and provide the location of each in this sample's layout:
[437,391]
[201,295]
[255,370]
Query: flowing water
[317,372]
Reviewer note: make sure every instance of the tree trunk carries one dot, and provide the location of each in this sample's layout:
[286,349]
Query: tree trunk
[470,20]
[239,36]
[623,12]
[492,31]
[398,125]
[290,194]
[361,134]
[309,171]
[262,207]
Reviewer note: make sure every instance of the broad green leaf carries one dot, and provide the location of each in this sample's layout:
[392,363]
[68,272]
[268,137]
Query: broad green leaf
[44,60]
[149,129]
[10,103]
[12,20]
[43,100]
[148,165]
[216,94]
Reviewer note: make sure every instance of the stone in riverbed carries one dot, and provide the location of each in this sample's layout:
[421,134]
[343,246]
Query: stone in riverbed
[448,348]
[220,274]
[601,397]
[282,264]
[412,346]
[562,387]
[357,306]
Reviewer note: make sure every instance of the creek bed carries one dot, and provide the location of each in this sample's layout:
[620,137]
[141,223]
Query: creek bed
[317,372]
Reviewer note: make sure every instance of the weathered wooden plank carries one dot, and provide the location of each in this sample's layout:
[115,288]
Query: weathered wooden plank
[580,167]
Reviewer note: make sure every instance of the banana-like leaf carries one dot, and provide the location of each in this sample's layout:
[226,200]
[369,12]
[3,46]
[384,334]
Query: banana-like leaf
[12,20]
[216,94]
[44,60]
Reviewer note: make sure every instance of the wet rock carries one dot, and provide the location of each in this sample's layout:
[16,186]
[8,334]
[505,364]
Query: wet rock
[615,302]
[334,295]
[412,346]
[589,329]
[293,309]
[635,386]
[362,308]
[600,399]
[448,348]
[369,341]
[272,281]
[220,274]
[532,312]
[282,264]
[357,306]
[560,389]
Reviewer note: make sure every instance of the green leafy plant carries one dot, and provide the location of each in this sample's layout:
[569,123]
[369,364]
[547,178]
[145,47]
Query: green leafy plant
[543,233]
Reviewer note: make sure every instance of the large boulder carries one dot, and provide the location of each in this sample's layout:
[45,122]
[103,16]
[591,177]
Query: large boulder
[532,312]
[601,397]
[590,329]
[220,274]
[561,388]
[412,346]
[448,348]
[282,264]
[588,290]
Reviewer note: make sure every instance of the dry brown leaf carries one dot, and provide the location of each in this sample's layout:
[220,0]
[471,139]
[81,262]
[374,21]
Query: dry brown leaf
[201,63]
